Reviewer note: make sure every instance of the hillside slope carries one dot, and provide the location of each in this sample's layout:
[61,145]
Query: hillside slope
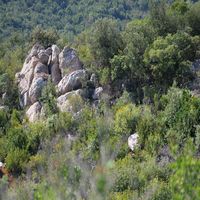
[66,16]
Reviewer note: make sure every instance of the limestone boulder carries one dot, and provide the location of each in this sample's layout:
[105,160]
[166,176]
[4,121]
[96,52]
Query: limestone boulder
[63,102]
[69,61]
[36,89]
[97,93]
[94,80]
[55,53]
[41,69]
[54,66]
[43,57]
[72,81]
[33,113]
[24,99]
[48,51]
[133,141]
[24,79]
[36,49]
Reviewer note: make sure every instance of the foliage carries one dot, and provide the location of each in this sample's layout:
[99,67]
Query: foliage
[44,37]
[193,18]
[105,41]
[48,99]
[144,66]
[184,182]
[169,58]
[16,160]
[180,114]
[70,17]
[126,119]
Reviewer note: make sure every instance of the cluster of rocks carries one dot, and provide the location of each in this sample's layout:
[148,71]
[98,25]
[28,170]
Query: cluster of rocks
[65,70]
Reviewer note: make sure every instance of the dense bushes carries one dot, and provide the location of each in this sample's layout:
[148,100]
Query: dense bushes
[84,154]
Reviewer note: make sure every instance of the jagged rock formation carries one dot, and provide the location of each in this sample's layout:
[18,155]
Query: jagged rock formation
[34,112]
[65,70]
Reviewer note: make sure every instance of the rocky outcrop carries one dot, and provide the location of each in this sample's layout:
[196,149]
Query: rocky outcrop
[69,61]
[72,81]
[63,102]
[4,108]
[54,65]
[97,93]
[34,112]
[36,89]
[65,70]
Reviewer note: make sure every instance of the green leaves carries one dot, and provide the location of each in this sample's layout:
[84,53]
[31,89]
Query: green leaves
[44,37]
[184,183]
[169,58]
[126,119]
[105,41]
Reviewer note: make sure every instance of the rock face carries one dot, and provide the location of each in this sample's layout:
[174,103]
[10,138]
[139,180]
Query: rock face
[65,70]
[34,112]
[54,65]
[72,81]
[63,102]
[97,93]
[36,89]
[69,61]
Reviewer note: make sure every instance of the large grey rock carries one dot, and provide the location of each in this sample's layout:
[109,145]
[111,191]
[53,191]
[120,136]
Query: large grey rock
[43,57]
[36,88]
[33,113]
[24,79]
[48,51]
[55,73]
[41,69]
[63,102]
[4,108]
[72,81]
[69,61]
[94,80]
[133,141]
[34,52]
[24,100]
[55,53]
[55,70]
[97,93]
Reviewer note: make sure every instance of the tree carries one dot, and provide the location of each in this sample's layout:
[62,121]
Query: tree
[193,18]
[169,58]
[159,18]
[184,183]
[105,42]
[128,66]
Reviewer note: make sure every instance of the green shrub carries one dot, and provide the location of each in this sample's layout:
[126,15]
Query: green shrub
[16,160]
[184,183]
[126,119]
[180,115]
[44,37]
